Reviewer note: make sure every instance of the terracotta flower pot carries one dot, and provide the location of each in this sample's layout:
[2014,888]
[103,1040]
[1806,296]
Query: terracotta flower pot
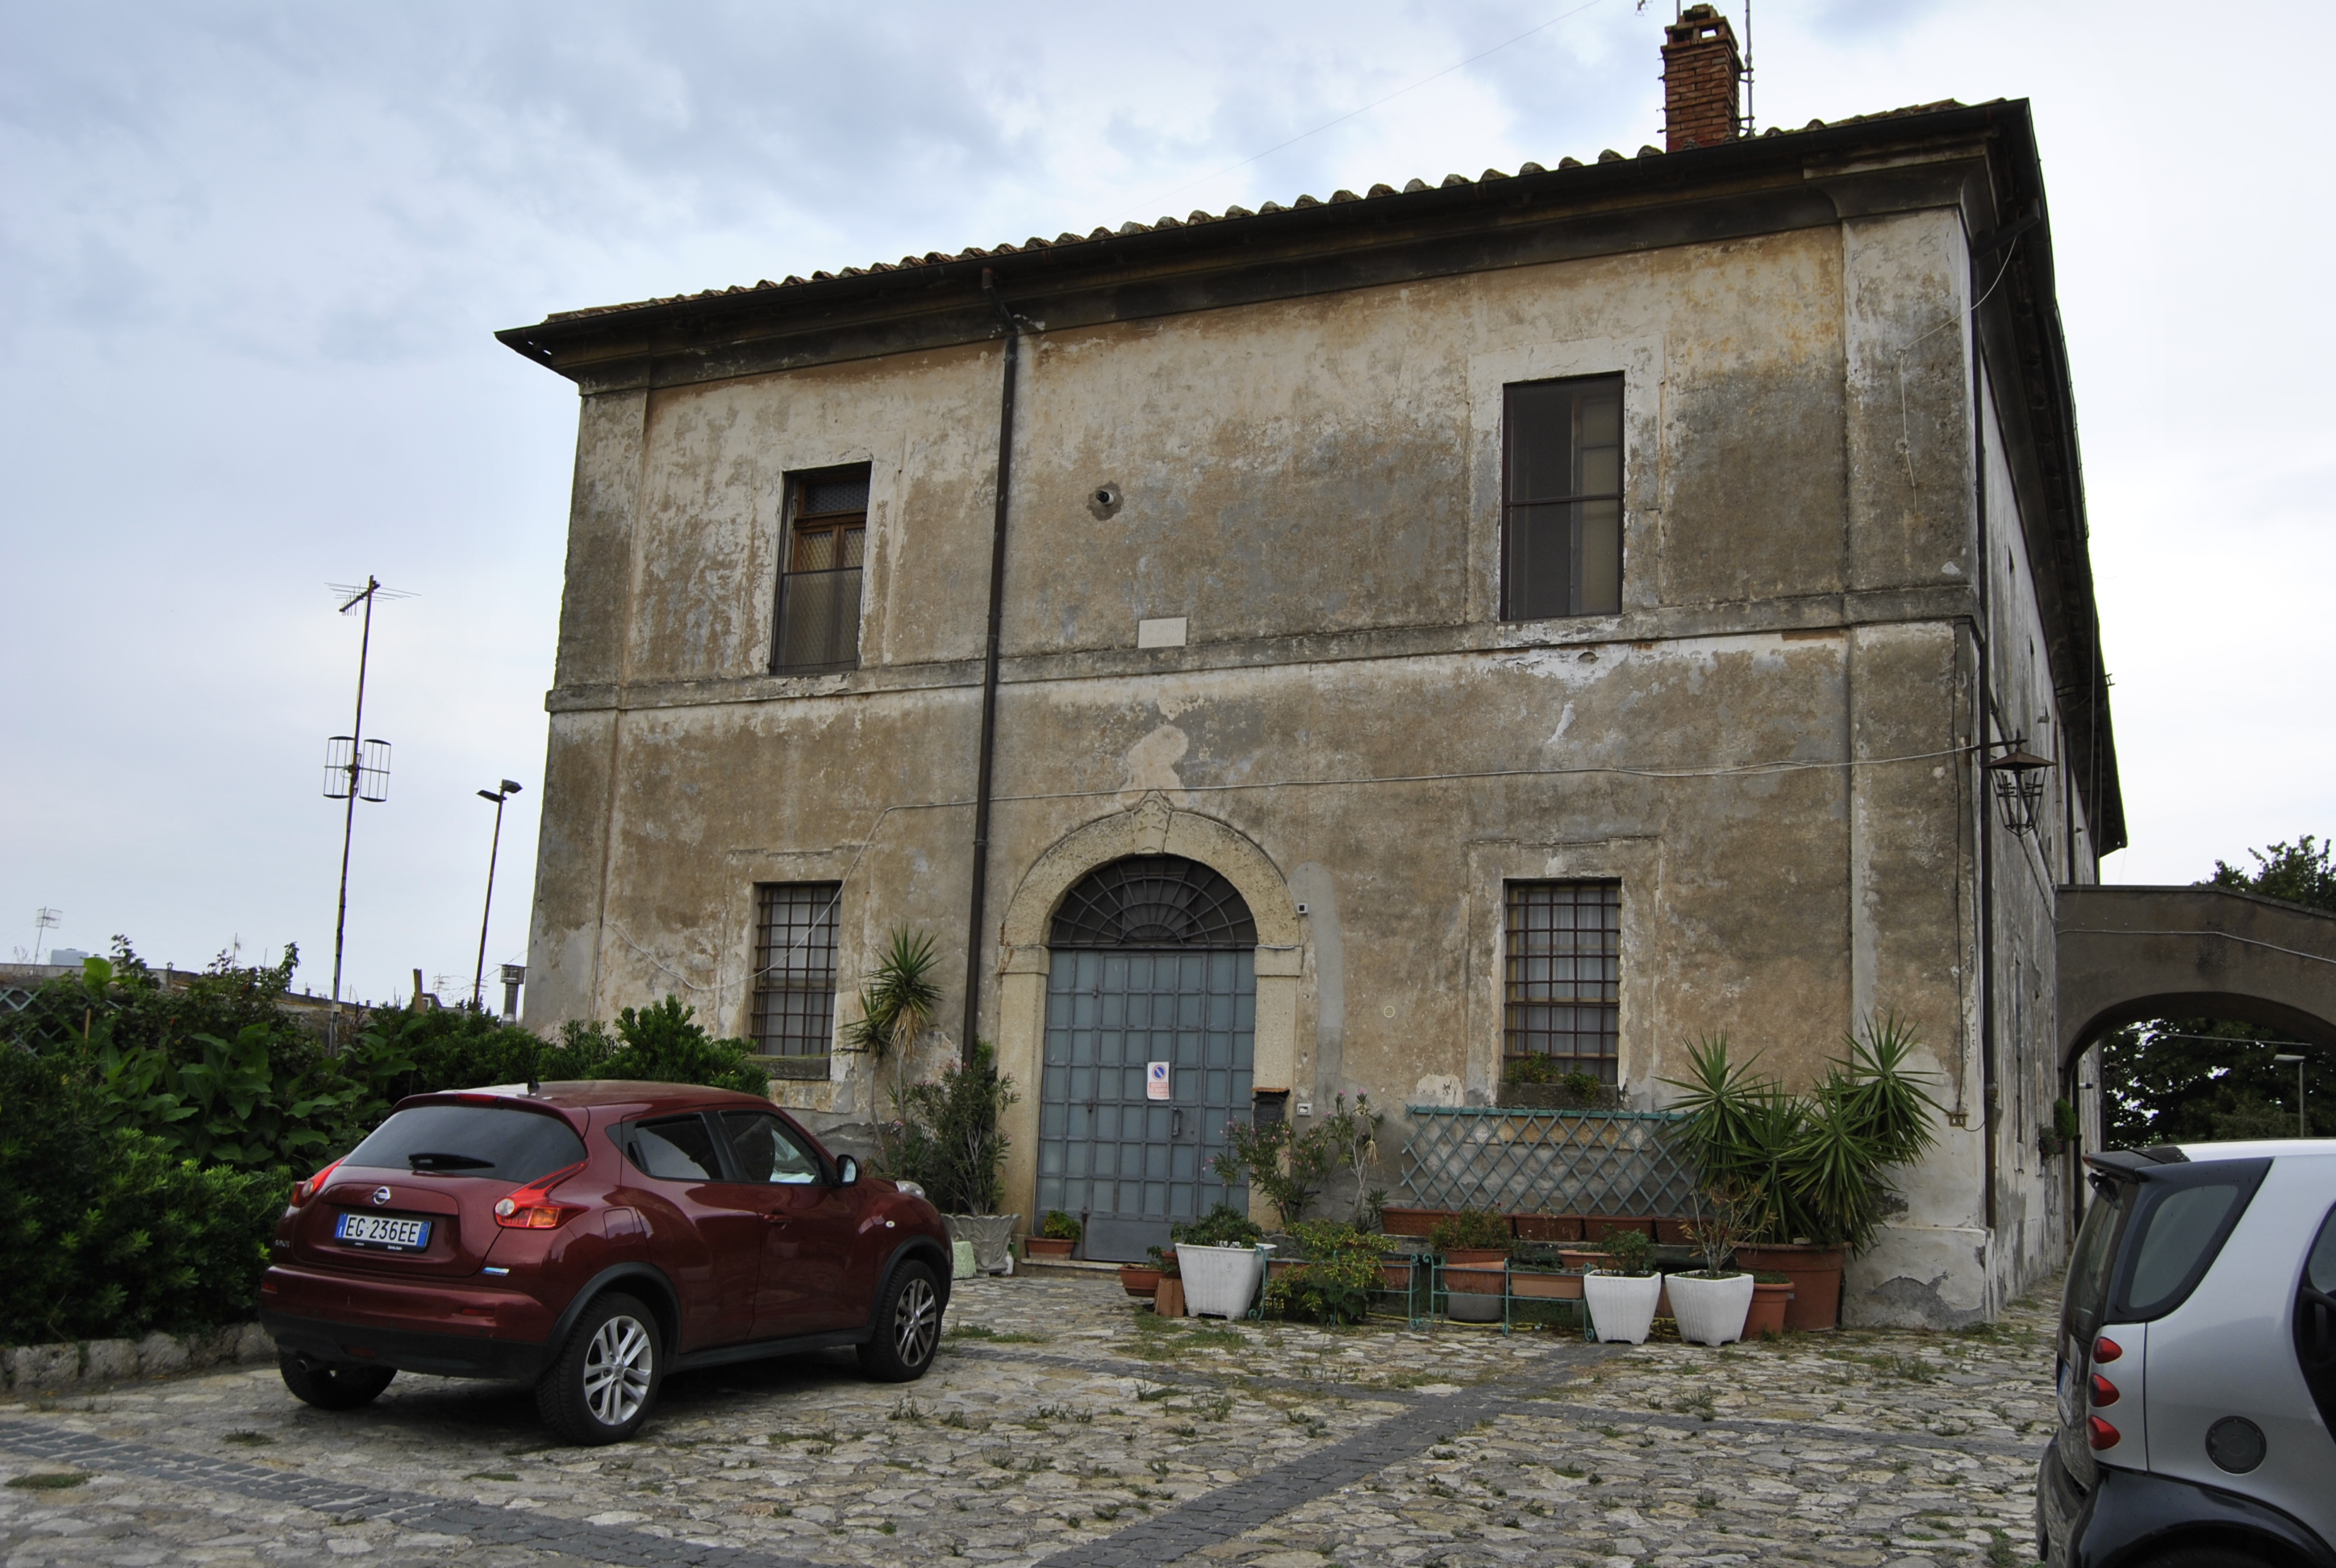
[1673,1233]
[1473,1289]
[1546,1227]
[1768,1312]
[1573,1258]
[1048,1246]
[1816,1280]
[1139,1279]
[1411,1221]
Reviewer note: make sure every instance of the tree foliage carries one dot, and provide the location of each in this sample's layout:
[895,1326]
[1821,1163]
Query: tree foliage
[2201,1080]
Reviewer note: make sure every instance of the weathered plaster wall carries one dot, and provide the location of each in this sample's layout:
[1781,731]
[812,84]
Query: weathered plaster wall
[1762,745]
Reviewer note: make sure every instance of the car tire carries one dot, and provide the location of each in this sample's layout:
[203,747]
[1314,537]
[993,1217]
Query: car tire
[600,1385]
[908,1327]
[331,1387]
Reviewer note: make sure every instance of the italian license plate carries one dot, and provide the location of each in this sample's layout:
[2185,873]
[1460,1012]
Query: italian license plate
[382,1232]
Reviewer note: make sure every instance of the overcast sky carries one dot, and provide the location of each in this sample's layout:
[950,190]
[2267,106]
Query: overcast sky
[250,256]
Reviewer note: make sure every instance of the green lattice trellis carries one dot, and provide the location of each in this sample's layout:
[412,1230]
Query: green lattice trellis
[1546,1162]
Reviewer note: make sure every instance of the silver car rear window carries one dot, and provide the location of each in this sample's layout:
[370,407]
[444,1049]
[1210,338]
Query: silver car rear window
[2181,1217]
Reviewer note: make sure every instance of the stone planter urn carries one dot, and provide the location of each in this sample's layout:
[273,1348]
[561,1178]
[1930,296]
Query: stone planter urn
[1221,1282]
[1709,1311]
[992,1236]
[1622,1306]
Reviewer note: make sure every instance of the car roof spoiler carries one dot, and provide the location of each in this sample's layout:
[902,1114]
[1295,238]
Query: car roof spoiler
[2135,1164]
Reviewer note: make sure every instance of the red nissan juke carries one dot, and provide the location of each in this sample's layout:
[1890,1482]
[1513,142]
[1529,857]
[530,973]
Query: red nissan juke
[590,1238]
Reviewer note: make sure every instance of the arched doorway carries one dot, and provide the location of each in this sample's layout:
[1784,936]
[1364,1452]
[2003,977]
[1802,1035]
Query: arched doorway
[1149,1047]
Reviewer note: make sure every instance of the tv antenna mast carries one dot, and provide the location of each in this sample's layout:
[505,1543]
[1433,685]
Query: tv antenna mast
[355,769]
[44,919]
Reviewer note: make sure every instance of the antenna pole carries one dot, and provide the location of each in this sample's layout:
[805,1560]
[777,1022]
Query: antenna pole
[349,824]
[1748,68]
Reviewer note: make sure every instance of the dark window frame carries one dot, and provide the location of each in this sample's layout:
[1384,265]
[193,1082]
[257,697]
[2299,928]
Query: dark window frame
[1512,506]
[1518,1036]
[844,529]
[777,985]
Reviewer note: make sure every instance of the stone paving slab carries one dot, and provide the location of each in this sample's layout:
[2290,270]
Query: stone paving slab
[1062,1426]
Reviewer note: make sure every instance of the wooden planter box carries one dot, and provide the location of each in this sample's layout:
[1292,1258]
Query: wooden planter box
[1048,1246]
[1556,1286]
[1168,1297]
[1411,1221]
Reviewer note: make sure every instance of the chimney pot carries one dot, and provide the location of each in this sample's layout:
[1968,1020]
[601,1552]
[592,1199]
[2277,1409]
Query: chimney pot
[1702,77]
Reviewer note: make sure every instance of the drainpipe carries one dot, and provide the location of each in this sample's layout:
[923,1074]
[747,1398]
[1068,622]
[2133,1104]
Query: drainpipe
[1984,719]
[976,915]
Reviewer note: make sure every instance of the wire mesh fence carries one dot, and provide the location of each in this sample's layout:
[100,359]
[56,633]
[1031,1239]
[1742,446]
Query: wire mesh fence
[1511,1162]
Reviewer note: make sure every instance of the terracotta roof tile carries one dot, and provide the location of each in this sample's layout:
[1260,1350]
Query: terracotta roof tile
[935,258]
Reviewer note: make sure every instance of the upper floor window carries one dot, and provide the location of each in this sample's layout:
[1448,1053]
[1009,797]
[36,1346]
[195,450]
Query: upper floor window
[1561,499]
[819,590]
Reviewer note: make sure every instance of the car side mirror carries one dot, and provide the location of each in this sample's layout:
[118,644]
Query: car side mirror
[847,1171]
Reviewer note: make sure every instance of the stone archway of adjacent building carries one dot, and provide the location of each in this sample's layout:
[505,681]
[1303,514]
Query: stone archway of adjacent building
[1152,827]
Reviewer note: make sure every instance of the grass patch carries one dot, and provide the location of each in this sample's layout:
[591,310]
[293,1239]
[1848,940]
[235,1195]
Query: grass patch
[250,1440]
[491,1476]
[49,1482]
[983,1331]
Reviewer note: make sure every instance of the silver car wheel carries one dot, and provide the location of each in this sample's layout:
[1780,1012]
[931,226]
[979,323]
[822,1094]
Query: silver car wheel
[616,1370]
[916,1321]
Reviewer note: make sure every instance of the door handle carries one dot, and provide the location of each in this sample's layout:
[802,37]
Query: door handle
[775,1219]
[1176,1123]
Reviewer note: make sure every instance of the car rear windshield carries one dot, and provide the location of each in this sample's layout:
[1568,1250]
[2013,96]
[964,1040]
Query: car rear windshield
[2180,1223]
[2088,1271]
[491,1140]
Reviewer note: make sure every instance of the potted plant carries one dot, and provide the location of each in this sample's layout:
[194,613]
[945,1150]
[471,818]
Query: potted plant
[1709,1304]
[1622,1297]
[1816,1159]
[1220,1261]
[949,1141]
[1771,1294]
[1334,1279]
[1058,1235]
[1539,1270]
[1474,1246]
[1140,1279]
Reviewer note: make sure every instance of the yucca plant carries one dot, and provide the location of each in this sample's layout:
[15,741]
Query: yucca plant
[896,1005]
[1815,1160]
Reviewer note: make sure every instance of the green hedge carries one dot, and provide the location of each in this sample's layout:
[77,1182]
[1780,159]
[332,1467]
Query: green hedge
[149,1135]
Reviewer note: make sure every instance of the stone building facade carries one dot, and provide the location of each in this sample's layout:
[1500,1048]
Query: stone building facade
[1566,612]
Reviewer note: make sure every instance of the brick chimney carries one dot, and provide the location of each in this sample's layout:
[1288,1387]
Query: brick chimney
[1701,71]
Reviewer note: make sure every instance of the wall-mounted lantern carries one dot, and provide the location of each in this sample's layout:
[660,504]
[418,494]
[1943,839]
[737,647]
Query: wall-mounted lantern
[2019,775]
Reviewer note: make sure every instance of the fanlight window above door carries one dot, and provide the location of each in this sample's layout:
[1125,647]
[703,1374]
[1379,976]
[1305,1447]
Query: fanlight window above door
[1154,902]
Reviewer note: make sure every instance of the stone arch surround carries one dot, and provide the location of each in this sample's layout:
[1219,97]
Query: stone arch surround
[1151,827]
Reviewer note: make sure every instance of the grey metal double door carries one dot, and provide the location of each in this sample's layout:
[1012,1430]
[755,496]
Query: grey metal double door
[1128,1165]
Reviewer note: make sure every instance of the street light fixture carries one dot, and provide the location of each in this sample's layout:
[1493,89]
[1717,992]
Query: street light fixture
[2285,1059]
[2019,777]
[479,978]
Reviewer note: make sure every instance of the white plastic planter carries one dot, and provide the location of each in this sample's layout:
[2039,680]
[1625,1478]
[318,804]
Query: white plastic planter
[1220,1281]
[1710,1311]
[1622,1306]
[992,1236]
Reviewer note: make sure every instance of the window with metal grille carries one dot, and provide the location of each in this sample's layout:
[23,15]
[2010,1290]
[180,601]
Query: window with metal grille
[819,590]
[1154,902]
[795,975]
[1561,499]
[1561,989]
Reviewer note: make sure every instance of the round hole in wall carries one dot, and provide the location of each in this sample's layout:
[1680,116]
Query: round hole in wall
[1104,500]
[1388,1011]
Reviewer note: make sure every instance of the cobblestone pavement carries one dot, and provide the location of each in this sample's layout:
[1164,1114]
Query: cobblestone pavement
[1062,1427]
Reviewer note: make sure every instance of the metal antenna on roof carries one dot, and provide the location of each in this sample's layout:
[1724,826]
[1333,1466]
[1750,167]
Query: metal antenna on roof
[1747,67]
[355,769]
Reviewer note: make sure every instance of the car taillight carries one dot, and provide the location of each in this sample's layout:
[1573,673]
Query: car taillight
[2107,1349]
[532,1208]
[313,1185]
[2103,1391]
[2099,1433]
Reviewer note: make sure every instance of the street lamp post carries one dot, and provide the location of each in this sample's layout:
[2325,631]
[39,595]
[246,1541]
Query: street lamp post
[2297,1062]
[479,978]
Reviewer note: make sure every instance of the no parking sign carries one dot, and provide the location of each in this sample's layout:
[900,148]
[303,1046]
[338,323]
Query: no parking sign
[1156,1081]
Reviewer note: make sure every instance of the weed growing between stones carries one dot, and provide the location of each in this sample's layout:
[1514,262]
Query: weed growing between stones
[48,1483]
[984,1332]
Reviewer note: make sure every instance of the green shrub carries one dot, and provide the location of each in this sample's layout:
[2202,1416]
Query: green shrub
[1060,1226]
[1334,1283]
[1222,1226]
[107,1232]
[1471,1230]
[949,1140]
[1631,1250]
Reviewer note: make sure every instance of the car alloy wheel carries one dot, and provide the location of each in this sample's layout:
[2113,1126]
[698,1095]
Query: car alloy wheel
[916,1321]
[617,1367]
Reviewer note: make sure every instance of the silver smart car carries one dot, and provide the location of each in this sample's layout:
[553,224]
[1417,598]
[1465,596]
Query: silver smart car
[2197,1364]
